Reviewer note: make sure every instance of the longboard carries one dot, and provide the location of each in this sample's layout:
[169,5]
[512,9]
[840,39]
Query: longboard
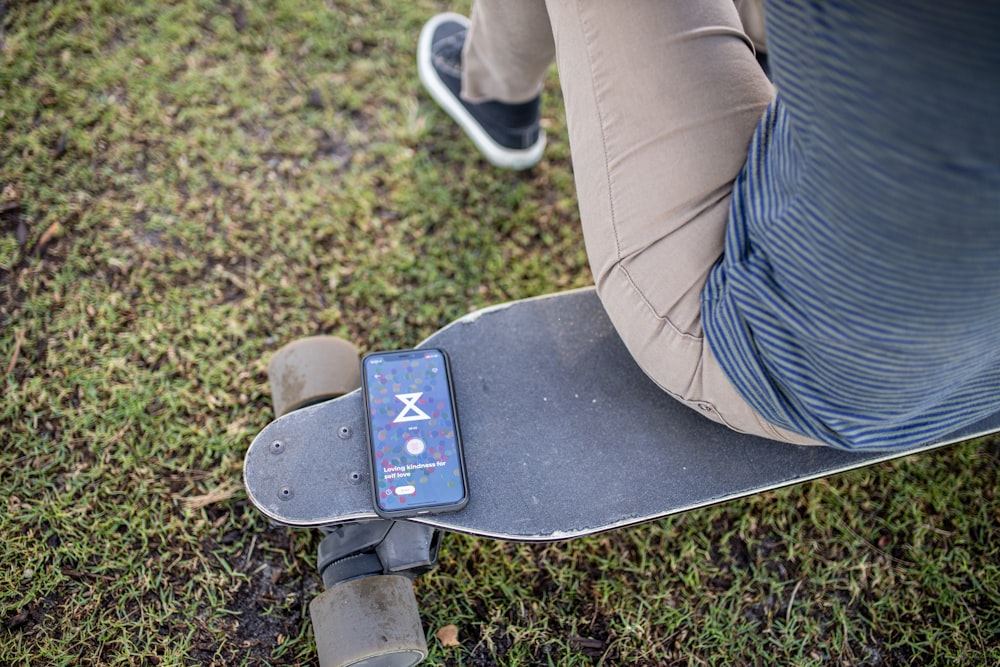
[564,437]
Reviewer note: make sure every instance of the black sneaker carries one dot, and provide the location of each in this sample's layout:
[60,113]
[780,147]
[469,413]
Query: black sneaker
[509,135]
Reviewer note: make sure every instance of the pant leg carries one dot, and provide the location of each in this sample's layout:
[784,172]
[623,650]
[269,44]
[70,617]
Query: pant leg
[510,47]
[508,51]
[662,99]
[752,17]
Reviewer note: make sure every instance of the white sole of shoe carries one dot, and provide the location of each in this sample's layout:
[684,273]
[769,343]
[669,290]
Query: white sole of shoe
[497,155]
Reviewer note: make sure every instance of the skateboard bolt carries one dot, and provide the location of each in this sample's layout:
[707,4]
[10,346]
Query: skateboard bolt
[277,447]
[344,433]
[285,493]
[355,477]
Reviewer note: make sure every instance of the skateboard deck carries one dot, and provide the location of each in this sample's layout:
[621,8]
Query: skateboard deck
[564,436]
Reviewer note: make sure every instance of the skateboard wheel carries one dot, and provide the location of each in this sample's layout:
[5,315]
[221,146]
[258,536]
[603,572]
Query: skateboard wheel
[368,622]
[312,370]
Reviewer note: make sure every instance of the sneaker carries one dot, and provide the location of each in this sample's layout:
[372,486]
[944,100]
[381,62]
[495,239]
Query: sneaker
[508,135]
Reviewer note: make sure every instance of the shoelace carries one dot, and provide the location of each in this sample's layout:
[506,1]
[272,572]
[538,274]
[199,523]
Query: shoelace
[448,53]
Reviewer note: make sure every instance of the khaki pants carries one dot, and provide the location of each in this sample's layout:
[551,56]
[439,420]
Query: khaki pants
[662,99]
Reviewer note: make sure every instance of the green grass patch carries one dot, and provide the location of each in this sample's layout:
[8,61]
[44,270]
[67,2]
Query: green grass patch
[187,186]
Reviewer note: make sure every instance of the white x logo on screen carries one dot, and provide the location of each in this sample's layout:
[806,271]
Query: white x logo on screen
[410,413]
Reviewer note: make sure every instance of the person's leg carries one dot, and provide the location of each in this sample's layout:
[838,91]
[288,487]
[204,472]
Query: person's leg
[510,47]
[661,101]
[487,74]
[752,17]
[508,51]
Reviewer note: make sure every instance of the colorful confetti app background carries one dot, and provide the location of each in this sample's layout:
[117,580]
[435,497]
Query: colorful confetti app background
[413,431]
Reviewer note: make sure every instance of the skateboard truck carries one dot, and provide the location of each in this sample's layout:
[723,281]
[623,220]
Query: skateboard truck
[370,548]
[368,567]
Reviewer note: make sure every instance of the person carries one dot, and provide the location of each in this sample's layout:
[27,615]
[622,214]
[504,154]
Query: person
[814,260]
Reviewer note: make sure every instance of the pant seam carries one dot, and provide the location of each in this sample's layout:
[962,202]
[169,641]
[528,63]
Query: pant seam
[661,318]
[604,140]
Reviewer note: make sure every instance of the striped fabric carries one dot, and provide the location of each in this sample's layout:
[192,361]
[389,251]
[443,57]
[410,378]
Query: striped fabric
[858,300]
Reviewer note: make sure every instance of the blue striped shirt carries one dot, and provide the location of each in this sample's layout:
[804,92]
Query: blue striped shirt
[858,299]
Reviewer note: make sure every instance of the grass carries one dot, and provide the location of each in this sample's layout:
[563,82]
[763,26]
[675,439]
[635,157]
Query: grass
[186,186]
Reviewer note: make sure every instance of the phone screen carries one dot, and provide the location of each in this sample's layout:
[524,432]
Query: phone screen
[415,445]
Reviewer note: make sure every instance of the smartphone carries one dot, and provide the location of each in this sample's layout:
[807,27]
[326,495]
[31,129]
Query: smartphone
[416,451]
